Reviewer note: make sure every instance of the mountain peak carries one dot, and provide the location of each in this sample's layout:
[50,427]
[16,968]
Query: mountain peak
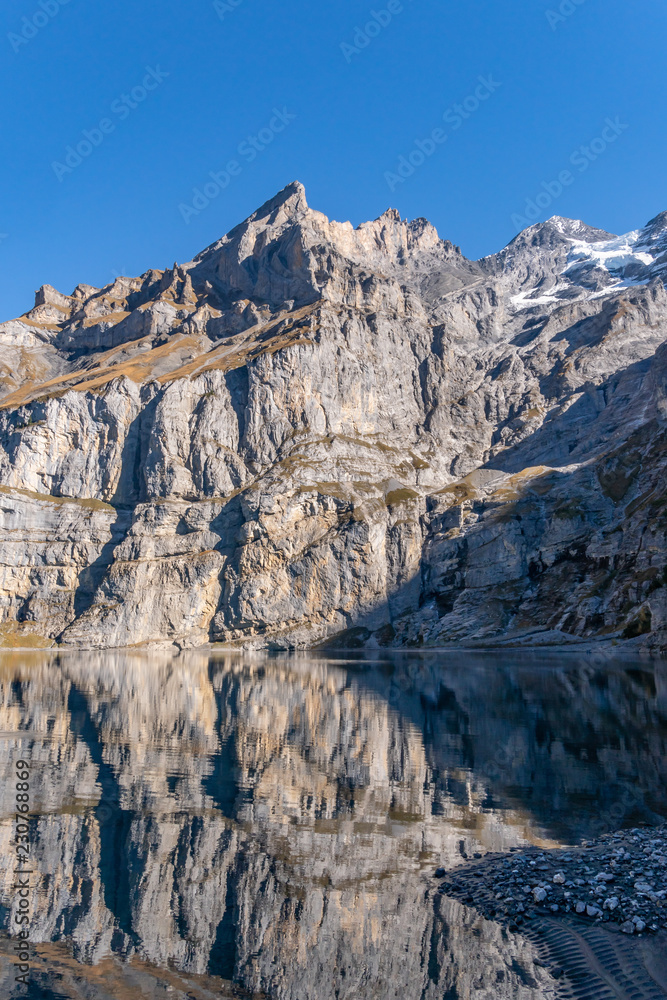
[290,201]
[390,214]
[655,229]
[274,253]
[575,229]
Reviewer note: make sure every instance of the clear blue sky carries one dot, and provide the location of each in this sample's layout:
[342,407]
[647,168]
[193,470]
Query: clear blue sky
[357,112]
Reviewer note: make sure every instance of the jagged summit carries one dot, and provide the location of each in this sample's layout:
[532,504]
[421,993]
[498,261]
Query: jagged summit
[313,428]
[564,259]
[284,235]
[556,231]
[292,199]
[576,229]
[285,258]
[657,227]
[280,252]
[279,255]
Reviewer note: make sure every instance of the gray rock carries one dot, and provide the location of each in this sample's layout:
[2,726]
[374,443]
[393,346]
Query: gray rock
[312,433]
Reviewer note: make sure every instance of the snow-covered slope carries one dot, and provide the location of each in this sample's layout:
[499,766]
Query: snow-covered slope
[632,259]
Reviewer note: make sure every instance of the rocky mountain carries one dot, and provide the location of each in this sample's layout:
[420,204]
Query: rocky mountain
[313,433]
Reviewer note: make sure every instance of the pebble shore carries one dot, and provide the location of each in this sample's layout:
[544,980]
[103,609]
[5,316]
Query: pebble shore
[619,879]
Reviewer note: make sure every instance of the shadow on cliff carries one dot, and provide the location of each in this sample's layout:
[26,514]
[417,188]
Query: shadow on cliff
[600,414]
[129,492]
[92,576]
[227,525]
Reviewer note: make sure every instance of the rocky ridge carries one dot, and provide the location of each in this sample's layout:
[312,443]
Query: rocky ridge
[313,433]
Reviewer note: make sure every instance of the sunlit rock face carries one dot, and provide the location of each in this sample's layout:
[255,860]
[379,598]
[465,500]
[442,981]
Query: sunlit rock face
[315,433]
[278,822]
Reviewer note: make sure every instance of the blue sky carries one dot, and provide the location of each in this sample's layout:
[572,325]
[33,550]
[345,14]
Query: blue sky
[171,92]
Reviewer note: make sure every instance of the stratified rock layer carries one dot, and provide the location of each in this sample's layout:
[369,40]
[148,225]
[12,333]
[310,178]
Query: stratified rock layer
[313,433]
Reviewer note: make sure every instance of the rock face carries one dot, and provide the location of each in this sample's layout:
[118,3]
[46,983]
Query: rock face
[313,433]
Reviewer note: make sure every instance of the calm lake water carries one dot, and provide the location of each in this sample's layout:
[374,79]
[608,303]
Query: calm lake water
[215,824]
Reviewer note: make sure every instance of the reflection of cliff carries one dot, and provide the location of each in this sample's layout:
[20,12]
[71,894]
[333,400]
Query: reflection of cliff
[578,744]
[268,820]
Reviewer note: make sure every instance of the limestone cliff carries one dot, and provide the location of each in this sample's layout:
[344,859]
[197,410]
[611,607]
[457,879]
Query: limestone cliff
[314,433]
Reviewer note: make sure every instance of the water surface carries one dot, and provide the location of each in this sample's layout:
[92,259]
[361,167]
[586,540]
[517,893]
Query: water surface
[215,824]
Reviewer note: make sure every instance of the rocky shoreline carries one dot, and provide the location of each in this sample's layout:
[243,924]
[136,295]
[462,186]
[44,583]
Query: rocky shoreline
[619,879]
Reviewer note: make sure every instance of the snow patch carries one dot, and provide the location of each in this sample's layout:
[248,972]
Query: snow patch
[524,300]
[631,259]
[612,255]
[567,226]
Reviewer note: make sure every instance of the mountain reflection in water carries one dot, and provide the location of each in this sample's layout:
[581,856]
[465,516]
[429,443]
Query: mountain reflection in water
[275,822]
